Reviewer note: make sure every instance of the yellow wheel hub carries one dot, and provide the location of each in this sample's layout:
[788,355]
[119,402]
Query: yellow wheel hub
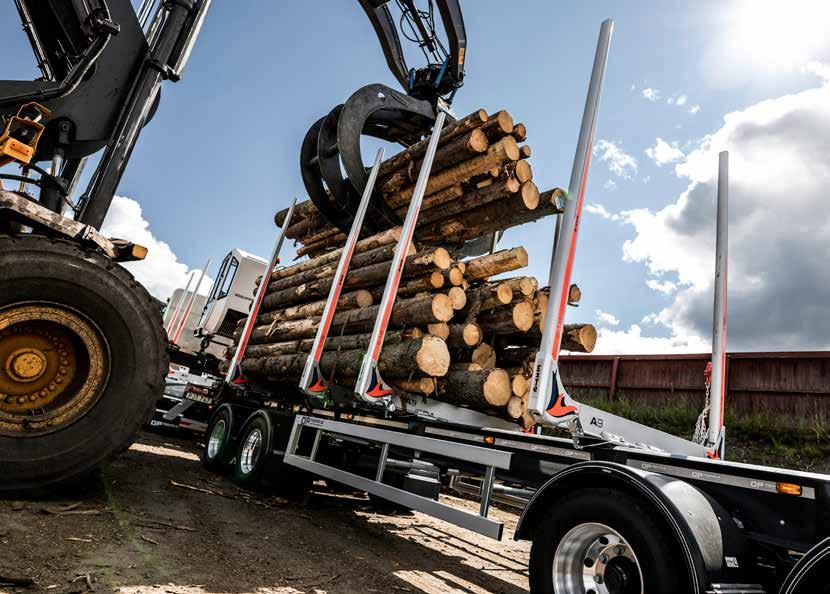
[53,367]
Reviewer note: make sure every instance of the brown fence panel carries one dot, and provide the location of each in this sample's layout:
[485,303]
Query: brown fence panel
[795,384]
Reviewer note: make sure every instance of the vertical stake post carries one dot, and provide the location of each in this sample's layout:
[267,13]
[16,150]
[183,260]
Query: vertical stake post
[547,395]
[312,381]
[178,309]
[234,375]
[717,398]
[370,387]
[187,309]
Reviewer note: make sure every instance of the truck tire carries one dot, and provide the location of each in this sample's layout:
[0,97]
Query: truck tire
[219,446]
[603,537]
[252,452]
[82,361]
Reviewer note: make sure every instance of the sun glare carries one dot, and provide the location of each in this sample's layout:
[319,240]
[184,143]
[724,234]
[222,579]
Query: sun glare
[779,34]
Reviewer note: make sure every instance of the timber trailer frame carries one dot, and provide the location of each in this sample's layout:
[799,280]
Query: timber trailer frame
[618,508]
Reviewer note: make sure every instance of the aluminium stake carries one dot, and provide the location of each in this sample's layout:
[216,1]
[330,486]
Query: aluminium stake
[716,435]
[187,309]
[370,386]
[545,405]
[179,304]
[311,381]
[234,375]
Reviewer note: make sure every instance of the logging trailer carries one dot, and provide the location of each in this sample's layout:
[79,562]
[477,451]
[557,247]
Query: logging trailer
[618,508]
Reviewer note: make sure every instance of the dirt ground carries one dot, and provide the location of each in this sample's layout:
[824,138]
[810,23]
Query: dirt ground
[135,531]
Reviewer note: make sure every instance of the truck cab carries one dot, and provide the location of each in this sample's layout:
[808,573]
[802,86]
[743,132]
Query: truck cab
[231,296]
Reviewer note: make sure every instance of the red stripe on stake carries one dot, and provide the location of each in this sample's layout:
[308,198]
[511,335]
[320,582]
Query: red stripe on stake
[563,301]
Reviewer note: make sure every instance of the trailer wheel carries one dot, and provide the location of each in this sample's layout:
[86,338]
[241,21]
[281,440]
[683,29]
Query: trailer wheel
[82,360]
[601,541]
[252,453]
[218,443]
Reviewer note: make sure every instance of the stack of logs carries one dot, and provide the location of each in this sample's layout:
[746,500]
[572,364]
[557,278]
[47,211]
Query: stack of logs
[454,335]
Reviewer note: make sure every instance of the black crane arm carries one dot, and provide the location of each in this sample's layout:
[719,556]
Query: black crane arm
[444,72]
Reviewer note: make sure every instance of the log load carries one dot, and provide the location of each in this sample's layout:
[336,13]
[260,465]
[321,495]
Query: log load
[463,330]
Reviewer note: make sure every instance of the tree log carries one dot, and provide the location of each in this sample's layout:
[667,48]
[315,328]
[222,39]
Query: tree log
[476,389]
[507,320]
[333,343]
[427,355]
[492,264]
[504,150]
[465,335]
[484,355]
[523,171]
[523,285]
[438,198]
[500,124]
[462,126]
[458,297]
[469,201]
[520,132]
[439,329]
[354,300]
[515,407]
[454,276]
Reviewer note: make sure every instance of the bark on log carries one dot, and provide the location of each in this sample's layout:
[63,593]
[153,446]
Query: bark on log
[523,285]
[384,238]
[465,367]
[422,385]
[476,389]
[497,263]
[347,342]
[469,201]
[504,150]
[438,198]
[354,300]
[576,338]
[508,320]
[462,126]
[360,277]
[520,132]
[500,124]
[407,313]
[427,355]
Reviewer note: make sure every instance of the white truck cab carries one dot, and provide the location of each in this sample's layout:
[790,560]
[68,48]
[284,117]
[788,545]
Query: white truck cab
[231,296]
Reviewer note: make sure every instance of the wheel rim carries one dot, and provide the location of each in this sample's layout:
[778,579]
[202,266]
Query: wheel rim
[249,455]
[54,366]
[595,559]
[216,439]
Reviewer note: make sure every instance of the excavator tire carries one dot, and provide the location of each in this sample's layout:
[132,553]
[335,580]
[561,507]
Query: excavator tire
[82,361]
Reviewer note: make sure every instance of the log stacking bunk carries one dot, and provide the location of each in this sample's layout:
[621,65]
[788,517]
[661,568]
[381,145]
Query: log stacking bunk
[456,333]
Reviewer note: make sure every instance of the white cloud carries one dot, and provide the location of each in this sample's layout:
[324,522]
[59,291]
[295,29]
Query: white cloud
[681,100]
[663,153]
[818,69]
[633,87]
[651,94]
[694,109]
[619,162]
[610,185]
[160,272]
[606,318]
[779,285]
[665,287]
[646,179]
[601,211]
[632,342]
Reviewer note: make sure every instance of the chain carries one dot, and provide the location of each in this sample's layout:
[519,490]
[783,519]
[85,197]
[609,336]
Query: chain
[701,429]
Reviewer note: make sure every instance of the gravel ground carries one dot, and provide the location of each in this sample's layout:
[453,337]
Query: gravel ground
[135,531]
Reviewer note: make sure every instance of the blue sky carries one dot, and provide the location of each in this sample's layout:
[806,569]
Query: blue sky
[221,155]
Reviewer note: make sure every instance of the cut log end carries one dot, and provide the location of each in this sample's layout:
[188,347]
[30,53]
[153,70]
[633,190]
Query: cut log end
[433,358]
[440,329]
[520,385]
[515,407]
[523,315]
[442,307]
[530,195]
[497,391]
[458,297]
